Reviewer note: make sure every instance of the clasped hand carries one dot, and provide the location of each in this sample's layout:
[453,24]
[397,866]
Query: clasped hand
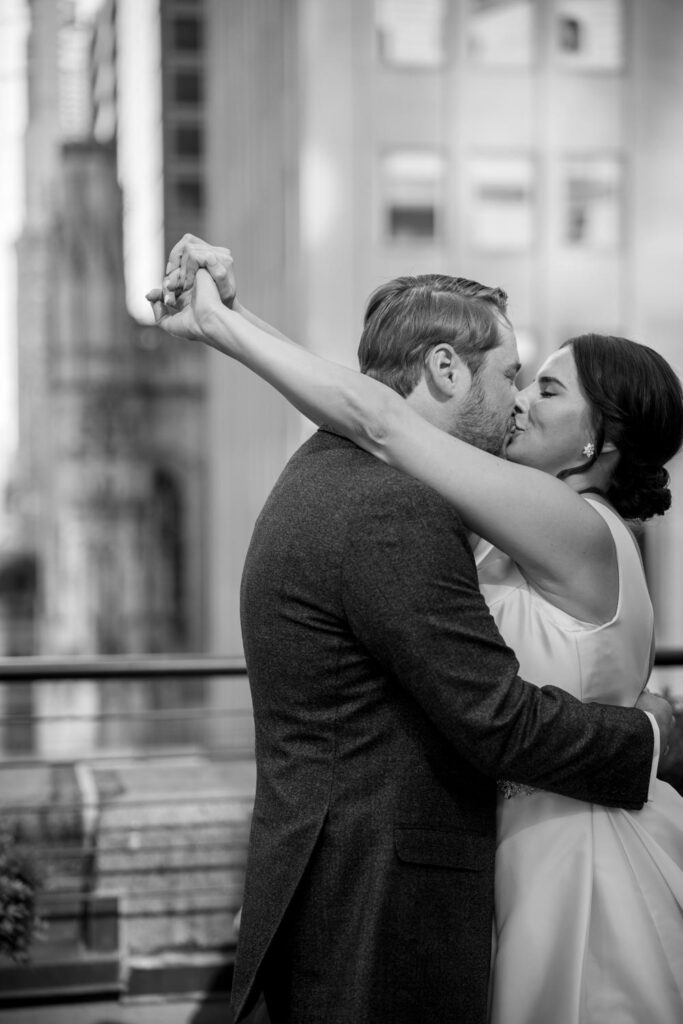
[184,303]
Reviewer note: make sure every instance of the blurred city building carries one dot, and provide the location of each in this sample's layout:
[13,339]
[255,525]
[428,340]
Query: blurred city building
[533,145]
[109,494]
[331,145]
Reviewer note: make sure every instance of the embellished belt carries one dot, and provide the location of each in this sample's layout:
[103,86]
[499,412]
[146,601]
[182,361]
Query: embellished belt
[510,789]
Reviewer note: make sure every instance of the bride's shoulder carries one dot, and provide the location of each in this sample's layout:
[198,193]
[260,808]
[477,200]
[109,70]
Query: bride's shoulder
[585,585]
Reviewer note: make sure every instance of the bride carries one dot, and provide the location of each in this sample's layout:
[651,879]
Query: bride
[589,899]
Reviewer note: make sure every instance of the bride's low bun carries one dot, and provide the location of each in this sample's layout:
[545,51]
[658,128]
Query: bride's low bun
[640,492]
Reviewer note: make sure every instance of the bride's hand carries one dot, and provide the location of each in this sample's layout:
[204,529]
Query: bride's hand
[189,255]
[191,316]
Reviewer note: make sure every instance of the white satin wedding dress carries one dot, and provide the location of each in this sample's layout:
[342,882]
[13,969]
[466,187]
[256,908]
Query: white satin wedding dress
[589,900]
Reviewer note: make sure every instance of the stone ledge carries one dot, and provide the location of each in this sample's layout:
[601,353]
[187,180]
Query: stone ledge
[26,984]
[204,976]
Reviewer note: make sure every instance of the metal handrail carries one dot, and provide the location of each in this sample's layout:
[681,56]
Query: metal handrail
[38,668]
[201,875]
[670,656]
[133,869]
[74,851]
[185,714]
[184,752]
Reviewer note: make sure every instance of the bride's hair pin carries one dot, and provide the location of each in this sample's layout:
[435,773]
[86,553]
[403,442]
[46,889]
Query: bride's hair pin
[588,450]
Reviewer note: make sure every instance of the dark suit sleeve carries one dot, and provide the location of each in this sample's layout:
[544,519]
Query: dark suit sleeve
[411,595]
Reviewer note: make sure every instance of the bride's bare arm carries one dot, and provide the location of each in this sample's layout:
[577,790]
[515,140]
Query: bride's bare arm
[559,541]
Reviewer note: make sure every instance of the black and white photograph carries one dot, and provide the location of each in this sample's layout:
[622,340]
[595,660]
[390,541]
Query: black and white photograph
[341,512]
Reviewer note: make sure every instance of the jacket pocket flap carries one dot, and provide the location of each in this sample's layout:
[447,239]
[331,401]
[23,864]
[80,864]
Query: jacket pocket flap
[464,850]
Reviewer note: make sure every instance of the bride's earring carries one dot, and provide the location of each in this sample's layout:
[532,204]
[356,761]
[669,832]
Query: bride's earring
[588,450]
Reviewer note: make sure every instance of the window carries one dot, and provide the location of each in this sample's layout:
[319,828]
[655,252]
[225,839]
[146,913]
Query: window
[188,141]
[412,190]
[410,33]
[592,202]
[167,567]
[104,123]
[190,194]
[187,34]
[502,190]
[188,87]
[502,33]
[589,34]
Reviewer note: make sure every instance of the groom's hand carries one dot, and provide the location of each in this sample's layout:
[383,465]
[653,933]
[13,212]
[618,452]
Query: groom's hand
[663,714]
[186,258]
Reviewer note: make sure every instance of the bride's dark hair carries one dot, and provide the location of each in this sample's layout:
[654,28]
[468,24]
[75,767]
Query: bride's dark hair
[636,403]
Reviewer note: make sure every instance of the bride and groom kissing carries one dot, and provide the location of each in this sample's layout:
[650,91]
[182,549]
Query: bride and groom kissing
[392,716]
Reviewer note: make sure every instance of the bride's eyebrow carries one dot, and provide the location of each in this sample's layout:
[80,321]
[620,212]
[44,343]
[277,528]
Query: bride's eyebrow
[551,380]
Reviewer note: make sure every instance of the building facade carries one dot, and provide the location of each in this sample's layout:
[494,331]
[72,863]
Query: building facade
[532,145]
[109,493]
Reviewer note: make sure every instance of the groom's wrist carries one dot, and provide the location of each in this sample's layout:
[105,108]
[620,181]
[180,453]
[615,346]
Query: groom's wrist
[655,754]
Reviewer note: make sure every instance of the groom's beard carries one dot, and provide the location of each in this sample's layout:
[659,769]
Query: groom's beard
[482,424]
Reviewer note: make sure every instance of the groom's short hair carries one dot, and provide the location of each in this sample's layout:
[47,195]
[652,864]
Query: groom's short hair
[405,318]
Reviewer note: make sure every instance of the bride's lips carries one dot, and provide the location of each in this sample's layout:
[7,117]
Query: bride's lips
[514,430]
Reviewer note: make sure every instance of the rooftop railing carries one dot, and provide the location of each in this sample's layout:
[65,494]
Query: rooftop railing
[129,781]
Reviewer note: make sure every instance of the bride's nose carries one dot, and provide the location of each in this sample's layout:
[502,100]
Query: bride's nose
[522,402]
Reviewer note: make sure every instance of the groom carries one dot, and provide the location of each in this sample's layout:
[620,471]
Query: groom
[386,703]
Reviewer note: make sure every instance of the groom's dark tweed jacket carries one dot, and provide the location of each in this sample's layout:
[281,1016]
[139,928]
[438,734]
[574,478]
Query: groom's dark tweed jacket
[386,706]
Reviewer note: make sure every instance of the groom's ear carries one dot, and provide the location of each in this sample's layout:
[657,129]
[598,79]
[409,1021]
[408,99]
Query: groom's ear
[446,373]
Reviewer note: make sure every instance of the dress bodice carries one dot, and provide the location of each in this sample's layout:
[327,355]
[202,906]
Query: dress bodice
[608,663]
[589,899]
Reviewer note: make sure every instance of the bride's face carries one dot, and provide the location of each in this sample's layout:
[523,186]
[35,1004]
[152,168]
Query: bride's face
[552,418]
